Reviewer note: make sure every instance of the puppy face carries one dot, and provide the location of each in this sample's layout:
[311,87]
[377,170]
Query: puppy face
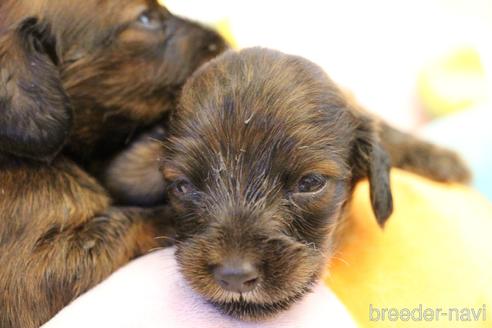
[263,155]
[121,62]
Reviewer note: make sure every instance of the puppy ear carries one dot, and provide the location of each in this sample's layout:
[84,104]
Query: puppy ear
[370,160]
[35,117]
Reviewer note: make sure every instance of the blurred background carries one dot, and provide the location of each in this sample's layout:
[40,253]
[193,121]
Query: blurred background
[423,65]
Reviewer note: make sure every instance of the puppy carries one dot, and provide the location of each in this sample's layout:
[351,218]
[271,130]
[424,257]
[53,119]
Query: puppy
[77,80]
[121,63]
[259,166]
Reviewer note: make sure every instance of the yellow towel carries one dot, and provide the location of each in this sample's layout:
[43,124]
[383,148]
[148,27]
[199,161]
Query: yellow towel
[434,255]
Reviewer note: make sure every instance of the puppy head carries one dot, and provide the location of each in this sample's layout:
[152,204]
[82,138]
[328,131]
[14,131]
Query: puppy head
[262,158]
[121,62]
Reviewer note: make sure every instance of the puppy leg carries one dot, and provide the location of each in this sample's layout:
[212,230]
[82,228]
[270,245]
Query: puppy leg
[60,236]
[410,153]
[133,177]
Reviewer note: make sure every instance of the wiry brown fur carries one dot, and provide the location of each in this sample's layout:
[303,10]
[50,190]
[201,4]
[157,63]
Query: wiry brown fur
[119,76]
[133,177]
[251,124]
[416,155]
[413,154]
[60,236]
[78,79]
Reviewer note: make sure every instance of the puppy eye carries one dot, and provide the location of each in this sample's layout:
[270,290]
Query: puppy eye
[148,20]
[184,188]
[311,183]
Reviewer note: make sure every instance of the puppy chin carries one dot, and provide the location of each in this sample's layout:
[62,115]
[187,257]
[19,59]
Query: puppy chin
[250,307]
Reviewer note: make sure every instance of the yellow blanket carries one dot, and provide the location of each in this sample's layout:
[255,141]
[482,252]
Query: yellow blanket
[431,266]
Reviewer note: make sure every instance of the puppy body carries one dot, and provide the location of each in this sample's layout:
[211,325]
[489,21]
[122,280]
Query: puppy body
[259,166]
[77,80]
[59,236]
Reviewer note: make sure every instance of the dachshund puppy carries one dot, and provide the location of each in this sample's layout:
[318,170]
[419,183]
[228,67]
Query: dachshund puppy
[120,62]
[77,80]
[259,166]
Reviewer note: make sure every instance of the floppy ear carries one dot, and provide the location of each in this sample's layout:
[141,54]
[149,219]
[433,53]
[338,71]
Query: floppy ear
[35,113]
[370,160]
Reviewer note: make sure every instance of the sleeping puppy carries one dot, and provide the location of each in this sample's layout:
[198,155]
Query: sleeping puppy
[77,80]
[259,166]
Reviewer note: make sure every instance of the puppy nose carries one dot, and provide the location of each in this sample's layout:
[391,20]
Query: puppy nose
[236,275]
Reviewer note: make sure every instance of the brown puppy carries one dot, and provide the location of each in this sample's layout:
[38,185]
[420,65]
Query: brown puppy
[260,164]
[121,63]
[86,75]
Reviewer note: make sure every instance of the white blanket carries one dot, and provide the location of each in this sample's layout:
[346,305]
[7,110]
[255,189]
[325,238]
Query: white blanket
[150,293]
